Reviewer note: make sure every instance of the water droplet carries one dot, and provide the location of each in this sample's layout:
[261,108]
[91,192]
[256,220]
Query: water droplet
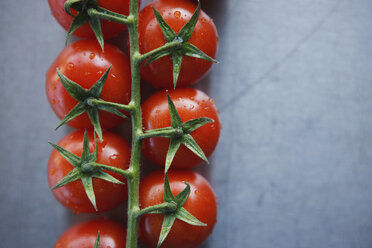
[196,192]
[92,55]
[53,101]
[192,98]
[52,171]
[100,72]
[157,111]
[206,108]
[70,66]
[113,76]
[76,212]
[211,101]
[177,14]
[113,157]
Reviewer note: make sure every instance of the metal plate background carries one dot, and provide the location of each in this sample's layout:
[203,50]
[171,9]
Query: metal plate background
[293,168]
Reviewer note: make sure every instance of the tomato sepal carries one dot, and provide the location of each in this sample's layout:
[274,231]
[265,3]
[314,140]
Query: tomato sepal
[180,213]
[97,242]
[84,169]
[183,136]
[89,101]
[182,37]
[83,7]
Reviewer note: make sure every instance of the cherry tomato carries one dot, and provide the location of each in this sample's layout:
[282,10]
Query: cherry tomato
[202,204]
[113,151]
[190,104]
[109,29]
[176,13]
[84,235]
[84,63]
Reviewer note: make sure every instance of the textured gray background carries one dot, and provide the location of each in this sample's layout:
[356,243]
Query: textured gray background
[294,163]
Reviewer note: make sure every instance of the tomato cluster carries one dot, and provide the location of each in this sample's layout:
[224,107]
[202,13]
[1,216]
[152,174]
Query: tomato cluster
[84,63]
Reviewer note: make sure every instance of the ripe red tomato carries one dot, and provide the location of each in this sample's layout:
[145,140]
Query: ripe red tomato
[176,13]
[113,151]
[84,235]
[84,63]
[109,29]
[190,104]
[202,204]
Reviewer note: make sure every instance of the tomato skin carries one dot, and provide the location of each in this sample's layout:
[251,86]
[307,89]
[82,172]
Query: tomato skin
[176,13]
[202,204]
[109,29]
[84,63]
[83,235]
[113,151]
[190,104]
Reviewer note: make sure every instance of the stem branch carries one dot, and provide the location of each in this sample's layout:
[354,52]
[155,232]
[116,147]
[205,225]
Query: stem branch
[166,47]
[95,102]
[164,207]
[126,173]
[108,15]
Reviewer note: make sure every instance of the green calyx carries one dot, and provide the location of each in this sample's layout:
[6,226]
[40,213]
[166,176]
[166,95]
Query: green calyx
[182,38]
[85,169]
[97,242]
[179,134]
[83,7]
[179,213]
[89,101]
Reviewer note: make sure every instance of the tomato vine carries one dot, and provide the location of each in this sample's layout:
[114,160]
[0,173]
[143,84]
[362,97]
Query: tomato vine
[177,45]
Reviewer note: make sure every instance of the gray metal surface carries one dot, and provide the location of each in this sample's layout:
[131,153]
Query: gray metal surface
[294,164]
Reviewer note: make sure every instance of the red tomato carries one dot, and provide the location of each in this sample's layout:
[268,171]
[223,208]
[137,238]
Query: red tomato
[176,13]
[84,63]
[113,151]
[109,29]
[190,104]
[202,204]
[84,235]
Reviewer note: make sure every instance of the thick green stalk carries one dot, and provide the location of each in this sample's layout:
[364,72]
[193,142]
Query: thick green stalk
[136,115]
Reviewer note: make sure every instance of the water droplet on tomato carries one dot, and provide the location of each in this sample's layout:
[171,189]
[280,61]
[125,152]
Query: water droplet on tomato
[112,75]
[100,72]
[177,14]
[196,192]
[92,55]
[52,171]
[76,212]
[70,66]
[211,101]
[53,101]
[113,157]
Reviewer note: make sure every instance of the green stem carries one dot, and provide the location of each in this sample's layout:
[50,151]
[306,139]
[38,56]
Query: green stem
[95,102]
[136,115]
[119,171]
[165,207]
[166,47]
[108,15]
[162,132]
